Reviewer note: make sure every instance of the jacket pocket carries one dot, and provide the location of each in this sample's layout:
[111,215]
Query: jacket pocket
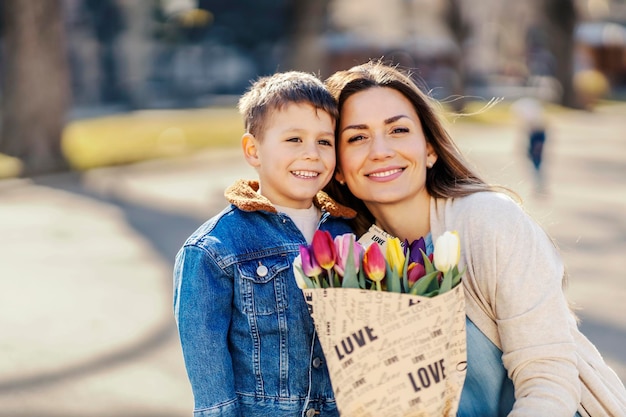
[263,289]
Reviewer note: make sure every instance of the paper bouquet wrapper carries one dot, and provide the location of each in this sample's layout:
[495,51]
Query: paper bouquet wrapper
[391,354]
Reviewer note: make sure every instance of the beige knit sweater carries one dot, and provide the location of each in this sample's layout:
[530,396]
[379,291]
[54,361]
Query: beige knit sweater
[513,289]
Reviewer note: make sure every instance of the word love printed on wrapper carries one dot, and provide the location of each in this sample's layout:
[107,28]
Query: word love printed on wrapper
[361,338]
[423,377]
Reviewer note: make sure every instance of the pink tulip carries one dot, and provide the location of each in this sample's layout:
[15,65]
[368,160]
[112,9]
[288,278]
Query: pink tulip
[324,249]
[343,244]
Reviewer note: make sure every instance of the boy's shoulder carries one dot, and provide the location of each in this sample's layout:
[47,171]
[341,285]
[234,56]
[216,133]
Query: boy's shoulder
[215,226]
[228,227]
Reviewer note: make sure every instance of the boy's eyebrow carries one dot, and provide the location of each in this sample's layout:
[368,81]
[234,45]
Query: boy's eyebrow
[301,129]
[386,121]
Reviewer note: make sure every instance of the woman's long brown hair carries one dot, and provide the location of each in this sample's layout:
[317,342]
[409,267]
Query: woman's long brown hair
[451,176]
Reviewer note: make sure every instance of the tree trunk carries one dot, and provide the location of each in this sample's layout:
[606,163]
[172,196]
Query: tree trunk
[561,19]
[460,30]
[35,84]
[305,52]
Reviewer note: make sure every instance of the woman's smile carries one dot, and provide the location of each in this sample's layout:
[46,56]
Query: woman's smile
[386,174]
[382,149]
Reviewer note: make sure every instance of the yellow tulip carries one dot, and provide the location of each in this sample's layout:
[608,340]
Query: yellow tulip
[395,255]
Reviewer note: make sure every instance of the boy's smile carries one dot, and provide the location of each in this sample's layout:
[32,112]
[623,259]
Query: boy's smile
[295,155]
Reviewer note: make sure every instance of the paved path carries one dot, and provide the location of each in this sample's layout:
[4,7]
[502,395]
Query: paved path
[85,263]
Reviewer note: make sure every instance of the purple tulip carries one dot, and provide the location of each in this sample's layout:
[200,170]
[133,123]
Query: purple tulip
[415,255]
[310,267]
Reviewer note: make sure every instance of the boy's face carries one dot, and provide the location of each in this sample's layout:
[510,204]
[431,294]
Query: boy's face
[295,157]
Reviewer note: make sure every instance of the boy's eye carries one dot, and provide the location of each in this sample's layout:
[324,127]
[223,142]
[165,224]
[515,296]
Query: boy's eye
[296,139]
[325,142]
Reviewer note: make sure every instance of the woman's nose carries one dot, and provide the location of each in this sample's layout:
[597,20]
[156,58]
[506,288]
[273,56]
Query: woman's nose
[380,147]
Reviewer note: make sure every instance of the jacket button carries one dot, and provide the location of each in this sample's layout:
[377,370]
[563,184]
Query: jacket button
[262,270]
[311,412]
[317,362]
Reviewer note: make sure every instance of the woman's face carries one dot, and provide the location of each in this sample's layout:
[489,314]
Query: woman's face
[383,153]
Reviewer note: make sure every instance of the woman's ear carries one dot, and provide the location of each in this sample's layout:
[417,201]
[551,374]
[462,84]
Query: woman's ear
[339,177]
[431,156]
[250,149]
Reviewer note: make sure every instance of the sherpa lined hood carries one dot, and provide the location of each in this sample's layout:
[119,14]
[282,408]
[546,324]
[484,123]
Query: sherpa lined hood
[243,194]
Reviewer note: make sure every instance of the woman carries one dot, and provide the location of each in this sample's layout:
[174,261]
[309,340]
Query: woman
[399,168]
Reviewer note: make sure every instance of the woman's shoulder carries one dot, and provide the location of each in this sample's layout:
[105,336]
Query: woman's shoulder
[486,202]
[484,210]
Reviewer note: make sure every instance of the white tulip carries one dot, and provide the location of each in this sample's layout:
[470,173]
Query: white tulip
[298,273]
[447,251]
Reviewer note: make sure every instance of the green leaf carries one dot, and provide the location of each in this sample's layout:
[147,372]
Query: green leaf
[405,275]
[350,279]
[457,278]
[309,282]
[335,279]
[423,284]
[432,293]
[428,265]
[446,283]
[392,279]
[362,278]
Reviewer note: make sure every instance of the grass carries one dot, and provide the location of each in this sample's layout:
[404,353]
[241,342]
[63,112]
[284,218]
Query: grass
[141,135]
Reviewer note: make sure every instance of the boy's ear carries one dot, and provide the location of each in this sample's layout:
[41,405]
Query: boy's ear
[250,149]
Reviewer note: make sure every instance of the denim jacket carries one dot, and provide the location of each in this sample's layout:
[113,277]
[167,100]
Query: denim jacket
[247,338]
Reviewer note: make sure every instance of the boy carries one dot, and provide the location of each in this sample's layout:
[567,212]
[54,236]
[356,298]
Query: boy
[247,338]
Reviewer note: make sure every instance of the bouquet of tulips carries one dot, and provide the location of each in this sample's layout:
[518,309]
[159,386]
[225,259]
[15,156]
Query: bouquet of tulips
[344,262]
[390,319]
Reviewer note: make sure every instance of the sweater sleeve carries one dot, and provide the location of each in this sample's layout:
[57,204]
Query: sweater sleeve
[519,272]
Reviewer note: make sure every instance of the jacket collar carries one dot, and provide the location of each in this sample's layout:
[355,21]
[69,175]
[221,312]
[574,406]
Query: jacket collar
[243,194]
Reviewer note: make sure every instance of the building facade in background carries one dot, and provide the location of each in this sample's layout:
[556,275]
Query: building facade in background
[189,53]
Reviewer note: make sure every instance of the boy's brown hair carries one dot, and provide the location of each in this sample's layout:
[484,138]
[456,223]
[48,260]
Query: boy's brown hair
[274,92]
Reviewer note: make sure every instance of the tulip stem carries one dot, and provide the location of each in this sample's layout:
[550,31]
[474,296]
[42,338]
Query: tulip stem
[331,282]
[316,280]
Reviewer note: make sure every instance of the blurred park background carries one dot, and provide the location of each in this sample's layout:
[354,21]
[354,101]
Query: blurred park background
[118,134]
[64,61]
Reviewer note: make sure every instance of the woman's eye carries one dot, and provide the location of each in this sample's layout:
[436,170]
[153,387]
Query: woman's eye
[396,130]
[355,138]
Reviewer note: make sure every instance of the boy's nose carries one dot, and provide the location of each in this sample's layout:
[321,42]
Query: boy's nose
[311,151]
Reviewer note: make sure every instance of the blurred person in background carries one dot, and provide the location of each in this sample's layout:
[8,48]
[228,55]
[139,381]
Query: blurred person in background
[530,112]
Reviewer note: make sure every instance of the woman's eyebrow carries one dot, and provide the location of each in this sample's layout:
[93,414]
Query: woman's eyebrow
[358,127]
[395,118]
[386,121]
